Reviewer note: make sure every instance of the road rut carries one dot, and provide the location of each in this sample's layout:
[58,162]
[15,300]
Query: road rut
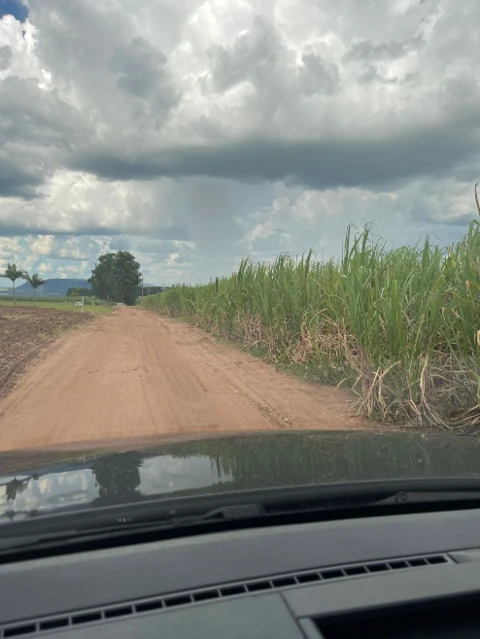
[134,373]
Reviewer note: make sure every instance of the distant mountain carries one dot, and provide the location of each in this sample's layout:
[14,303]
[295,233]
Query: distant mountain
[53,288]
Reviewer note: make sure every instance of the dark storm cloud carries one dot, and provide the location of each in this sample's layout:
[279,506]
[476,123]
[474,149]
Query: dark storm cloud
[21,170]
[142,72]
[41,118]
[260,124]
[35,128]
[119,134]
[17,183]
[418,152]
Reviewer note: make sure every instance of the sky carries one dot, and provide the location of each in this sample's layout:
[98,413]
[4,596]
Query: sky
[194,133]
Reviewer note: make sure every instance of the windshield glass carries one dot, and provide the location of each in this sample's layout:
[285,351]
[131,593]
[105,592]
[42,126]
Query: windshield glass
[46,483]
[239,247]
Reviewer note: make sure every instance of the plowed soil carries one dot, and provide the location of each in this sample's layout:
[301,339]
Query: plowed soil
[136,374]
[24,333]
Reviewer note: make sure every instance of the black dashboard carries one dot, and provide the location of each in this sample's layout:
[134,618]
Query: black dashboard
[394,576]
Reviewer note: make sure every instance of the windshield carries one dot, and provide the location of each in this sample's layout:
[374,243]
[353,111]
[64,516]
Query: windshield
[239,247]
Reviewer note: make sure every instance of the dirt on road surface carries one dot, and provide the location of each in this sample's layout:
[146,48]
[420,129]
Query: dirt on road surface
[135,373]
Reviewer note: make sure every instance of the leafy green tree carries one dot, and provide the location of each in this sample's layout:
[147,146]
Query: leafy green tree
[126,278]
[35,281]
[13,273]
[101,280]
[116,277]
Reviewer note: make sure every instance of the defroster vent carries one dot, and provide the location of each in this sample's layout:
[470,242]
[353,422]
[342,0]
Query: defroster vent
[193,597]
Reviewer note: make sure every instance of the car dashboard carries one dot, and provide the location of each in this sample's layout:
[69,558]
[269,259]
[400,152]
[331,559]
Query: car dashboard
[382,576]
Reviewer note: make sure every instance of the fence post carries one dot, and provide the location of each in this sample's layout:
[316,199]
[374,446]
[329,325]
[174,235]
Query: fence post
[216,285]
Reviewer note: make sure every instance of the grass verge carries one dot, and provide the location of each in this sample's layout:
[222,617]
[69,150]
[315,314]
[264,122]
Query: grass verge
[63,305]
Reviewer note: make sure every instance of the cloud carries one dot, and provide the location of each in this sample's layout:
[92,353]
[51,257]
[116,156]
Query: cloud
[433,149]
[193,132]
[295,222]
[378,51]
[6,55]
[142,73]
[256,56]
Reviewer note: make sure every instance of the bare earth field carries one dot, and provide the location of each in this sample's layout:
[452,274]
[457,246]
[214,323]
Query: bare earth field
[136,374]
[24,333]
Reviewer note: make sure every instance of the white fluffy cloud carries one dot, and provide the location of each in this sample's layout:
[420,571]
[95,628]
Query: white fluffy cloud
[194,132]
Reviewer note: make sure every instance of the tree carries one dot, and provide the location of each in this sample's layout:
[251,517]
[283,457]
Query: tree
[35,281]
[101,280]
[126,278]
[116,277]
[13,273]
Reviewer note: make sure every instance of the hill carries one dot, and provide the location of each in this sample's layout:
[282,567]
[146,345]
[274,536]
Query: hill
[53,288]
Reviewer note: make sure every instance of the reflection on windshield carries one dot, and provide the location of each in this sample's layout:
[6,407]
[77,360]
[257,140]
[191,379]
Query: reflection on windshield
[113,479]
[118,476]
[235,463]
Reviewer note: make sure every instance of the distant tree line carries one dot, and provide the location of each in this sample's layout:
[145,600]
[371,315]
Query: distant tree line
[77,291]
[116,278]
[13,274]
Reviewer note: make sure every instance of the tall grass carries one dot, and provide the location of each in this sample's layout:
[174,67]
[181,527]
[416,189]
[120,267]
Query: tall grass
[401,326]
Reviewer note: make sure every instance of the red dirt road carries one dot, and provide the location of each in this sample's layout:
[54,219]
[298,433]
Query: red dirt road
[134,374]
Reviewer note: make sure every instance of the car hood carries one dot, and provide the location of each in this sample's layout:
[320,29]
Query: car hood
[46,481]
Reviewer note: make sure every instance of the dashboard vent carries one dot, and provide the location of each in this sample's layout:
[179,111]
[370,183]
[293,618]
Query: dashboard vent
[164,602]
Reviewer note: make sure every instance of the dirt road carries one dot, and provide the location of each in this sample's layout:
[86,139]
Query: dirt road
[134,373]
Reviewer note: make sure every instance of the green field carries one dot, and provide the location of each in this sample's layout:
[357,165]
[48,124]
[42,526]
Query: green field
[400,327]
[61,304]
